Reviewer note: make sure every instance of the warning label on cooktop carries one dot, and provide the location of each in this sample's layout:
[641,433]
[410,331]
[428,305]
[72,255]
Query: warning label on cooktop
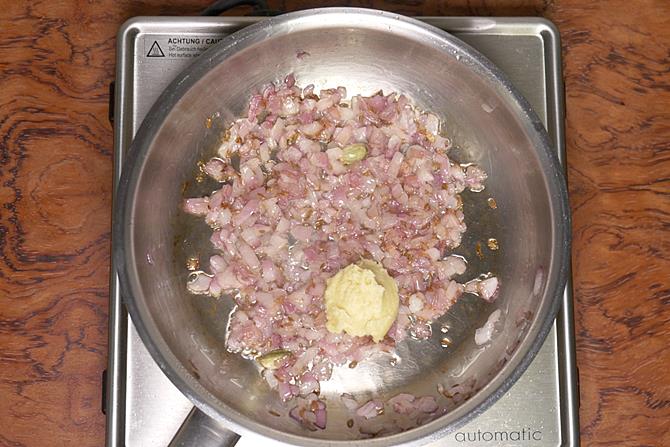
[178,46]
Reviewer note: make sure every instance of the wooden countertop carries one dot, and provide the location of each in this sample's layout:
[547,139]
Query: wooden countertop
[56,62]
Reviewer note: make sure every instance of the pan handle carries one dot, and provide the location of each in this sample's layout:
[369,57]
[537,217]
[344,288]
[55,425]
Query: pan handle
[199,430]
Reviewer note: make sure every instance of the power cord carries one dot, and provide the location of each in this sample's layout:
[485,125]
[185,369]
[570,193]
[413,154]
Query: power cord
[260,7]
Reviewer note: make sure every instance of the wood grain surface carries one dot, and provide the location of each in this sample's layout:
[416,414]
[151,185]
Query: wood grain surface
[56,62]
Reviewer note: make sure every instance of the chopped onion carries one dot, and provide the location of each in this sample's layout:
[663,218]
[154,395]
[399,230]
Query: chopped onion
[199,283]
[415,303]
[488,288]
[427,404]
[371,409]
[249,256]
[198,206]
[403,403]
[310,184]
[484,334]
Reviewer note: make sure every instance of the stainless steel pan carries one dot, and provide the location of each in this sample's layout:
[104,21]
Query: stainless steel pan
[364,50]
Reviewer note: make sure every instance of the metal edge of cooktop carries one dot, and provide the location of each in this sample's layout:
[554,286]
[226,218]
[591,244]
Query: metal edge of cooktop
[114,392]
